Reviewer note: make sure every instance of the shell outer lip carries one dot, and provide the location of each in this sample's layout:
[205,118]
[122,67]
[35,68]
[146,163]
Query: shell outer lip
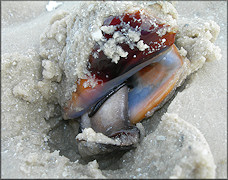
[118,80]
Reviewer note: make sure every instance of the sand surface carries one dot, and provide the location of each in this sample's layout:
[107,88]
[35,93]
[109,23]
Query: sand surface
[29,109]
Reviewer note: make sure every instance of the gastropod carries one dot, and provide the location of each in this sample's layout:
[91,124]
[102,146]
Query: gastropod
[134,67]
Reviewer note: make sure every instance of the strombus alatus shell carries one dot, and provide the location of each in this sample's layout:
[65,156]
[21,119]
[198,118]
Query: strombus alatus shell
[132,81]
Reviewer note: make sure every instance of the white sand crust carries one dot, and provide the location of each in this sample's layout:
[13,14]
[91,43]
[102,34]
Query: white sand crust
[90,135]
[38,76]
[197,38]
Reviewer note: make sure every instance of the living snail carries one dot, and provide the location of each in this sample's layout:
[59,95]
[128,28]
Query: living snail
[130,83]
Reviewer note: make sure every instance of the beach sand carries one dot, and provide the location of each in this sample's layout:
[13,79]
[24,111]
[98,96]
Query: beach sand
[189,142]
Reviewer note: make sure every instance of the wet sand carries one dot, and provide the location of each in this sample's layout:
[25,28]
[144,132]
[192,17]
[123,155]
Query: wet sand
[25,151]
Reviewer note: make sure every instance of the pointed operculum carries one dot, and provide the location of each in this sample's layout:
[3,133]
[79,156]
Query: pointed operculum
[153,84]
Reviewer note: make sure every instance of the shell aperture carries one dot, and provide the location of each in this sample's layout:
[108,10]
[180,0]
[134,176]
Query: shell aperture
[143,30]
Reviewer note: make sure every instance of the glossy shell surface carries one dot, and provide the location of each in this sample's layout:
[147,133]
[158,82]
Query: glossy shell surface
[152,69]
